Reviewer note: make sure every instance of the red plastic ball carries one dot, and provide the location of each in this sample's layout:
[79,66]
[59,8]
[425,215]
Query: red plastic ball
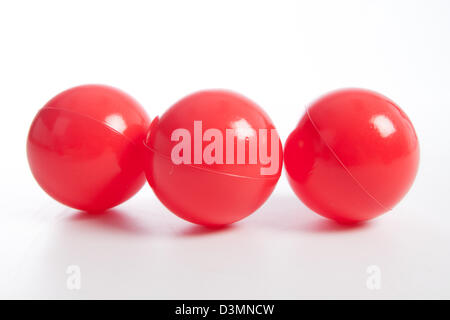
[85,147]
[208,159]
[353,155]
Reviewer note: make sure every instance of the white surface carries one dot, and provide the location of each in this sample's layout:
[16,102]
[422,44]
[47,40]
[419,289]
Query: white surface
[281,54]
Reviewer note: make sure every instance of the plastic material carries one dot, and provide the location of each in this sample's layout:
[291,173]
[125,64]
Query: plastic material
[202,192]
[353,155]
[85,147]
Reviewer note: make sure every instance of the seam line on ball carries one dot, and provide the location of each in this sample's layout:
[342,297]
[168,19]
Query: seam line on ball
[272,177]
[93,119]
[342,164]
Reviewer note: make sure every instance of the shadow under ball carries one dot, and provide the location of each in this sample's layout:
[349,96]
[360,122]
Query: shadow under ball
[353,155]
[84,147]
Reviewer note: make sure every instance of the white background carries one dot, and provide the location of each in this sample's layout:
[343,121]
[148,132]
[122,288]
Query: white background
[281,54]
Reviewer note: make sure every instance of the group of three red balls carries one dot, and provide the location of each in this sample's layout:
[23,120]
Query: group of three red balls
[353,155]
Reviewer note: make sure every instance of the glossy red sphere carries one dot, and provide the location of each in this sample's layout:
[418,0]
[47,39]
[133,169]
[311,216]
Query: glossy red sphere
[208,183]
[353,155]
[85,147]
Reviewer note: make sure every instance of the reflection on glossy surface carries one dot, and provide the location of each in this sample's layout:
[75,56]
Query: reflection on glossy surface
[140,251]
[384,126]
[116,122]
[243,129]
